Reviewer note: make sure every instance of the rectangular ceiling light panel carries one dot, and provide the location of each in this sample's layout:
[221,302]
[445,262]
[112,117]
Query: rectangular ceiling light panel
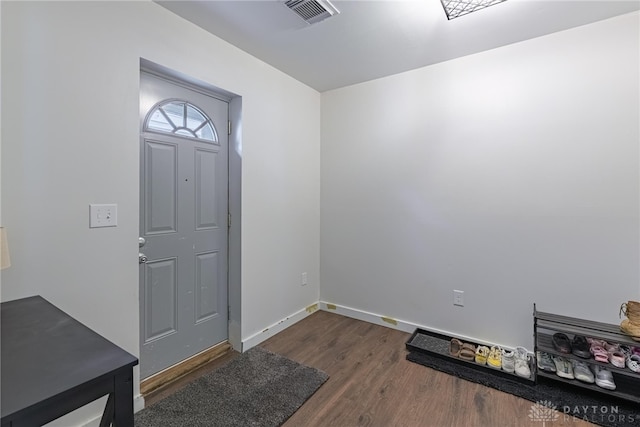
[312,11]
[456,8]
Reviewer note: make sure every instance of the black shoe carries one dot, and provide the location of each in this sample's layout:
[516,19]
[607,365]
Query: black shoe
[561,343]
[580,347]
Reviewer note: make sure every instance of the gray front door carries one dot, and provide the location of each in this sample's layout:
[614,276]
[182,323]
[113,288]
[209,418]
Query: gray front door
[183,223]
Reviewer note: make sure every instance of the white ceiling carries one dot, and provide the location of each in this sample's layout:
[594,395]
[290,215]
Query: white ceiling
[372,39]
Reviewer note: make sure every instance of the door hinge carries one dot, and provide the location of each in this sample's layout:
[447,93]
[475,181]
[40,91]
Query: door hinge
[228,312]
[229,220]
[229,127]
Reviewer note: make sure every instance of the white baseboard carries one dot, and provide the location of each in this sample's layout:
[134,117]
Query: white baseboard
[279,326]
[377,319]
[138,403]
[401,325]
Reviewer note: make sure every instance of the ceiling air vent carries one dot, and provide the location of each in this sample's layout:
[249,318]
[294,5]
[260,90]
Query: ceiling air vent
[312,11]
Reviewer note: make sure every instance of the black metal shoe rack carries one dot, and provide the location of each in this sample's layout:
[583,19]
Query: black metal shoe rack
[546,324]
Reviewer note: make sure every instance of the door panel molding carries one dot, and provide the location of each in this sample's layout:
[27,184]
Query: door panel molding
[156,155]
[163,318]
[206,205]
[207,281]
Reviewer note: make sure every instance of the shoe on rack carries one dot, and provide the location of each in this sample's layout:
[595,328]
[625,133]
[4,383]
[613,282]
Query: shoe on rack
[522,362]
[482,352]
[604,378]
[626,350]
[617,359]
[509,360]
[455,345]
[544,361]
[561,343]
[581,372]
[599,353]
[580,347]
[596,341]
[633,362]
[611,347]
[564,369]
[467,352]
[494,360]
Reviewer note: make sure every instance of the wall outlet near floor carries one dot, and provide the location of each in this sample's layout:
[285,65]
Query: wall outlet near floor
[458,298]
[303,279]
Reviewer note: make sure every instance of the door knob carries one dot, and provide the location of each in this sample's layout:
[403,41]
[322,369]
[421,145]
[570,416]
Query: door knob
[141,241]
[142,258]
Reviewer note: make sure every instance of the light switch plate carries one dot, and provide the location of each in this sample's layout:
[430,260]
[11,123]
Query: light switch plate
[103,215]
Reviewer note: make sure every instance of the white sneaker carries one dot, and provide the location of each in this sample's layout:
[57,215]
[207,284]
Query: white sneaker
[508,360]
[522,362]
[604,378]
[564,368]
[582,372]
[545,362]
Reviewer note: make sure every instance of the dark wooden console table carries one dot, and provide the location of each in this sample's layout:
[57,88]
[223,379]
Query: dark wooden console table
[51,364]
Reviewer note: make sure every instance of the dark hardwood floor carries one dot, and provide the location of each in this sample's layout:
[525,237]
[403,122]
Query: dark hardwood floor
[372,384]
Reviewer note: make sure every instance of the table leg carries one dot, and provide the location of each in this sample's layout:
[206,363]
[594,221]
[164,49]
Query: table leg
[123,399]
[107,415]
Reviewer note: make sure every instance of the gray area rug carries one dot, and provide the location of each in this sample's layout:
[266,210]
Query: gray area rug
[258,388]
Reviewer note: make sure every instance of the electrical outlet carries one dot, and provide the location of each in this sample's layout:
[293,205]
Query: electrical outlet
[303,279]
[458,298]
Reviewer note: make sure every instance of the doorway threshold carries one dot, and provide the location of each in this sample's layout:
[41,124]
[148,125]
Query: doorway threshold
[167,376]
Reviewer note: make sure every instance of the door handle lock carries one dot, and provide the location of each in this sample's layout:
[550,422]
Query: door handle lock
[142,258]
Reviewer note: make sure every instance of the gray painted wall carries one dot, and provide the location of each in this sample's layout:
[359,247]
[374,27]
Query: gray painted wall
[70,82]
[512,175]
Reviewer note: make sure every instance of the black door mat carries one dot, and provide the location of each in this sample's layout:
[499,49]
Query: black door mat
[568,400]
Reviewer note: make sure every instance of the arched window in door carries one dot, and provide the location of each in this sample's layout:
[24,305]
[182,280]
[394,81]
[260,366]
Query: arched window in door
[181,118]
